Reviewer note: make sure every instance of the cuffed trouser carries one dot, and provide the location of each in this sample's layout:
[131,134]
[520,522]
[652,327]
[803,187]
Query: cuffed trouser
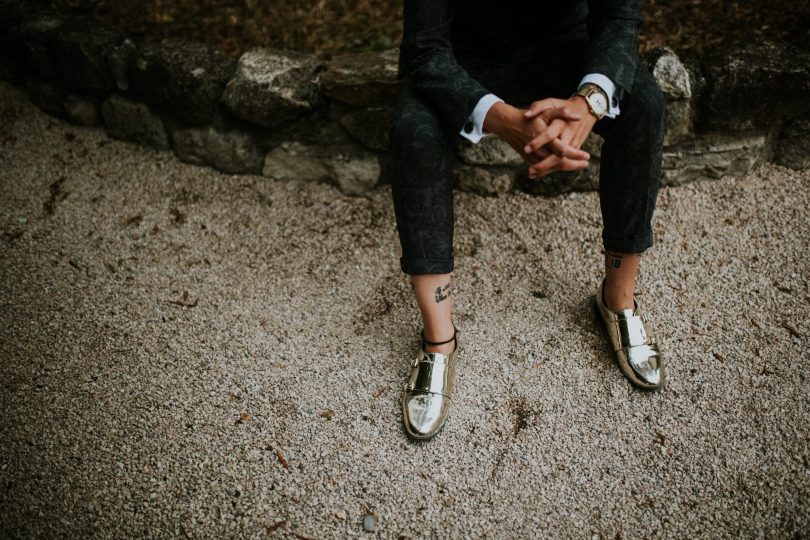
[423,148]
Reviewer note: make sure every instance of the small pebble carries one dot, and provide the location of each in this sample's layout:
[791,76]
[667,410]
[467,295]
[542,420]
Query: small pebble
[369,523]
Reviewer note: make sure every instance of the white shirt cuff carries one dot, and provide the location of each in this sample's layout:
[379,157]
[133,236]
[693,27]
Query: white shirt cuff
[609,88]
[474,126]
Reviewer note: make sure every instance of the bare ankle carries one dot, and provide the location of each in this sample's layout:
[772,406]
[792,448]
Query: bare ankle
[620,279]
[618,301]
[617,298]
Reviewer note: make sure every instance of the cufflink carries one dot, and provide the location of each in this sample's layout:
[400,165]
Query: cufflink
[468,127]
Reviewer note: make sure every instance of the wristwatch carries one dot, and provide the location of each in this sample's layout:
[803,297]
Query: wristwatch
[596,98]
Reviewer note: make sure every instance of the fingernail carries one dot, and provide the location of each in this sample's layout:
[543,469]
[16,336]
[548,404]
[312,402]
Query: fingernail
[527,148]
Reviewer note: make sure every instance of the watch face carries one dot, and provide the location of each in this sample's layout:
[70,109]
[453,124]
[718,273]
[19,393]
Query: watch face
[598,103]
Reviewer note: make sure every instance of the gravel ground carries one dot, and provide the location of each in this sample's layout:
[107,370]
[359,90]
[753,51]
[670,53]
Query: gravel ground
[188,353]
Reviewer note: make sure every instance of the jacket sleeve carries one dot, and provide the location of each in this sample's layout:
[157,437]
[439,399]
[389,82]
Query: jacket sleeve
[426,57]
[613,47]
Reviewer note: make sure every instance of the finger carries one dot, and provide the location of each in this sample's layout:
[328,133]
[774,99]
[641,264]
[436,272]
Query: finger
[568,164]
[567,135]
[550,133]
[563,113]
[562,149]
[566,138]
[538,107]
[555,163]
[543,167]
[538,155]
[564,164]
[543,152]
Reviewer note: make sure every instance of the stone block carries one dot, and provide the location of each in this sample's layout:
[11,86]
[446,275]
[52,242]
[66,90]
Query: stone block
[670,73]
[593,145]
[366,79]
[184,78]
[14,64]
[47,96]
[120,62]
[354,174]
[80,50]
[294,161]
[351,171]
[793,146]
[678,122]
[134,121]
[490,150]
[483,180]
[231,152]
[273,87]
[315,129]
[37,34]
[758,86]
[675,80]
[493,150]
[712,156]
[370,127]
[561,182]
[81,110]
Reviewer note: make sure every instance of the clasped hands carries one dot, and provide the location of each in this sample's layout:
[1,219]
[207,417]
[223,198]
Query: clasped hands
[548,134]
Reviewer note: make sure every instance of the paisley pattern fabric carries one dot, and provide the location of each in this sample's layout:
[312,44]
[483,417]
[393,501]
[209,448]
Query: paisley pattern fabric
[422,184]
[441,89]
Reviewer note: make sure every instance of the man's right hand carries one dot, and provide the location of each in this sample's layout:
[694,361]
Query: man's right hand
[511,125]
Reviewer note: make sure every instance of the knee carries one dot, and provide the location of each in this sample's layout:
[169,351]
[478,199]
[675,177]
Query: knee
[414,123]
[648,102]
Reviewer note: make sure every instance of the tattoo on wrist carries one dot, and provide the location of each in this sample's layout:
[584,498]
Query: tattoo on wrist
[442,293]
[613,260]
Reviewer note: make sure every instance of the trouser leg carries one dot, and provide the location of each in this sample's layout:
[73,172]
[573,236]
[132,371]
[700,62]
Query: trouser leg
[630,167]
[422,185]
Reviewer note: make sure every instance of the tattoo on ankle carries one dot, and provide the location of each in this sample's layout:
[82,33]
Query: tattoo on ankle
[442,293]
[613,260]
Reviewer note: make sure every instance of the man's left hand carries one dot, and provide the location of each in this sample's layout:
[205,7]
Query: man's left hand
[554,143]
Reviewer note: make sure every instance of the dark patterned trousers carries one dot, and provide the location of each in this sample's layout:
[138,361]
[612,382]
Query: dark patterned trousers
[424,150]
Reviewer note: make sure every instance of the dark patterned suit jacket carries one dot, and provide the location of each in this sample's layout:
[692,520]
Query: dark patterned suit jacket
[433,29]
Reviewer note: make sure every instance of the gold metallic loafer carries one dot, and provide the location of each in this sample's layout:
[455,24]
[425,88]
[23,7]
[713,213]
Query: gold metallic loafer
[426,400]
[638,355]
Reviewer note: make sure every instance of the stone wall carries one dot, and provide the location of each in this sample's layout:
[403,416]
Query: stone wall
[291,115]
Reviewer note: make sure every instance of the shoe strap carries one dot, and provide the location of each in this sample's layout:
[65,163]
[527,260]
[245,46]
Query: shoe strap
[430,376]
[439,342]
[630,332]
